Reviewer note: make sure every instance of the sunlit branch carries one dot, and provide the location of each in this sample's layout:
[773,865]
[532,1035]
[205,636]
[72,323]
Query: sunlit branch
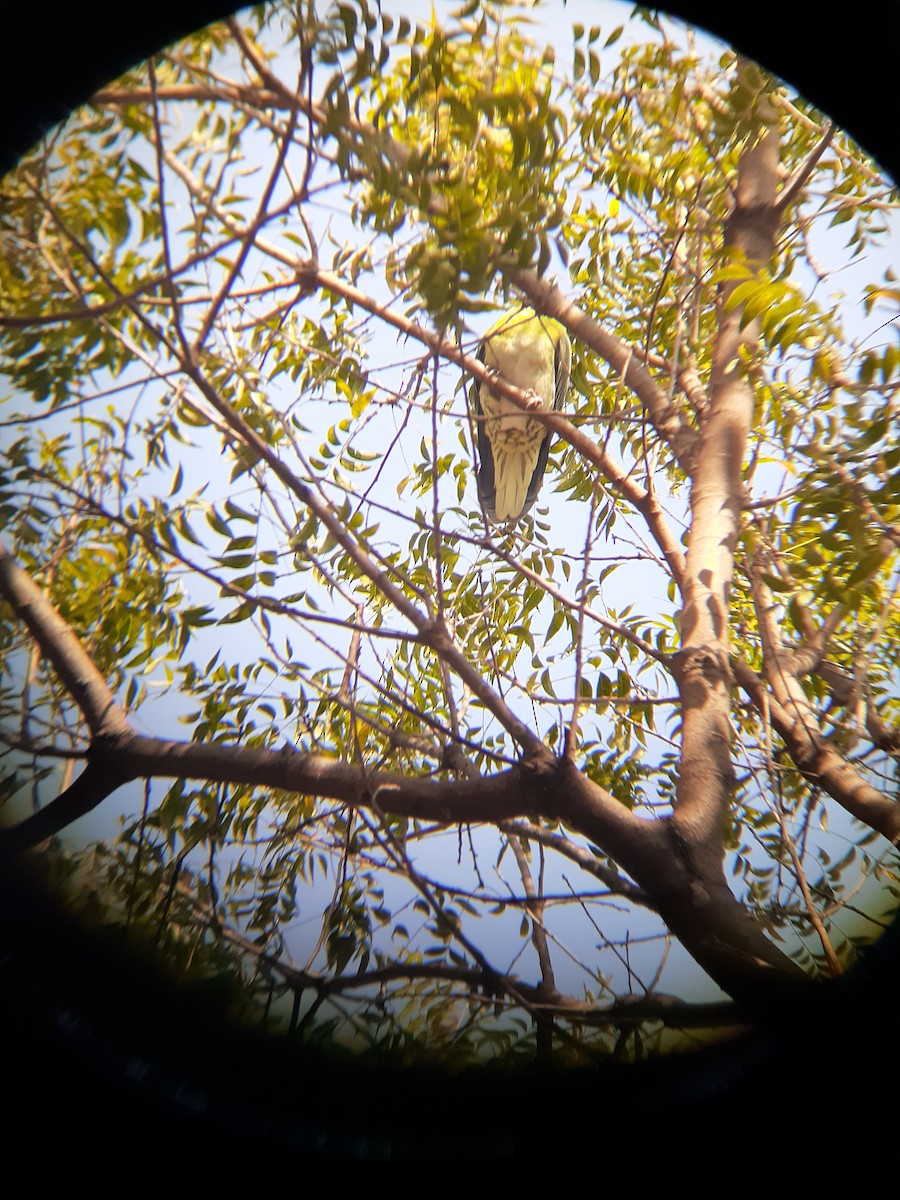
[794,186]
[801,118]
[58,643]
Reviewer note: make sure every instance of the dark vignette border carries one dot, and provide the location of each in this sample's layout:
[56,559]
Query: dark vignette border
[104,1067]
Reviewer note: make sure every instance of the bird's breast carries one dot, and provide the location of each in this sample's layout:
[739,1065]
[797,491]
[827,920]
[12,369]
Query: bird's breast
[528,367]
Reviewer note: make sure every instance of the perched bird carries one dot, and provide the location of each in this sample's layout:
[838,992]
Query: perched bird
[533,353]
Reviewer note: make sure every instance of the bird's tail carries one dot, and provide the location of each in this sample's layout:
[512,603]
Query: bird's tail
[513,470]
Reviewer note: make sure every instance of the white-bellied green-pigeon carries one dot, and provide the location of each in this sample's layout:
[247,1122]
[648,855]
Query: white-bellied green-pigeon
[533,353]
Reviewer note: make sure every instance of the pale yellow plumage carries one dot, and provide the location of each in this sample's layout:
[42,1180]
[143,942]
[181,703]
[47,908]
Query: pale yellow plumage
[534,354]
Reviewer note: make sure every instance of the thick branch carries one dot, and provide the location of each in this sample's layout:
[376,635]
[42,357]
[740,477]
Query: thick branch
[706,778]
[59,644]
[116,760]
[689,890]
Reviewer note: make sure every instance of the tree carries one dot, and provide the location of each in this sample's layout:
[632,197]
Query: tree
[245,288]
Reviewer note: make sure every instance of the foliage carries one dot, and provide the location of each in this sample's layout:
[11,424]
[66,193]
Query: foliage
[447,789]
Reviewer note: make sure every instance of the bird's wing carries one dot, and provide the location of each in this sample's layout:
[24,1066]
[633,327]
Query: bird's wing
[537,477]
[562,369]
